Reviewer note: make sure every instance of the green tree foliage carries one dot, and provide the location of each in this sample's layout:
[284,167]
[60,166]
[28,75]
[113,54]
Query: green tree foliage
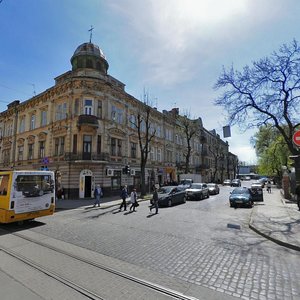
[272,151]
[267,92]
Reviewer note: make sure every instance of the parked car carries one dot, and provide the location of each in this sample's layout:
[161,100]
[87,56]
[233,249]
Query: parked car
[236,182]
[257,192]
[263,181]
[257,184]
[170,195]
[240,196]
[227,182]
[213,188]
[197,191]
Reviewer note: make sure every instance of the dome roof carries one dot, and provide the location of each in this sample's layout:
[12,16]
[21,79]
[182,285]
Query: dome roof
[89,49]
[89,55]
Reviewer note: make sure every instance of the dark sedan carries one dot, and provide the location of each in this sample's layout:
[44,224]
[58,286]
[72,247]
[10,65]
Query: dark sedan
[241,196]
[170,195]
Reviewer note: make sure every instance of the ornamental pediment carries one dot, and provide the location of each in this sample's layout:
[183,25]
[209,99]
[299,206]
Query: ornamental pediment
[21,142]
[42,136]
[31,139]
[7,144]
[117,131]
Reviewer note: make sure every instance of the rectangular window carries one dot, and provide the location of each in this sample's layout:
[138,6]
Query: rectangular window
[56,146]
[20,152]
[30,151]
[117,115]
[99,144]
[22,124]
[4,181]
[133,149]
[61,111]
[151,153]
[61,145]
[88,107]
[99,109]
[43,118]
[75,144]
[32,122]
[42,149]
[159,155]
[87,147]
[116,147]
[6,156]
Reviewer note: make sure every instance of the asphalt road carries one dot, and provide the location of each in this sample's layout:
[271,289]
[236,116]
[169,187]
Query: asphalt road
[203,243]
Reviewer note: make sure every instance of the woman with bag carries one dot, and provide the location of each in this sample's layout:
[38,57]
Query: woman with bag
[133,200]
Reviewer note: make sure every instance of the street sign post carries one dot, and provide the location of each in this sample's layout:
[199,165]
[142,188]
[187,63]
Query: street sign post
[296,138]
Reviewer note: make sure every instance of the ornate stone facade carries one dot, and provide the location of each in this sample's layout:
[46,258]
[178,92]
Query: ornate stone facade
[82,128]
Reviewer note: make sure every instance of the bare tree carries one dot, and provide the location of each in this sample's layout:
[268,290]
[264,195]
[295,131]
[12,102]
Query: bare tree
[146,133]
[190,129]
[268,92]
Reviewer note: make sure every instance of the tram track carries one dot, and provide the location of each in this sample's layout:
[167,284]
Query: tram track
[165,293]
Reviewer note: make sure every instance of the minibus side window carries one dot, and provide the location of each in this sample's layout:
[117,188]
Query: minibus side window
[4,179]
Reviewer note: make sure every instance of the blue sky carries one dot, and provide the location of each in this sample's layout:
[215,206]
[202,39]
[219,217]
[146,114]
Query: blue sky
[174,49]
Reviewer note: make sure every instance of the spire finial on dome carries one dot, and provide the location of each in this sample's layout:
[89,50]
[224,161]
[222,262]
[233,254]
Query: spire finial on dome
[91,33]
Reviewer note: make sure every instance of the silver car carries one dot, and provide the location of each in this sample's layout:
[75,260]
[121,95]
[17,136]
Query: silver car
[197,191]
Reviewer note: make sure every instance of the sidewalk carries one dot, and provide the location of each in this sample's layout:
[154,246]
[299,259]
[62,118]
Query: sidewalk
[277,219]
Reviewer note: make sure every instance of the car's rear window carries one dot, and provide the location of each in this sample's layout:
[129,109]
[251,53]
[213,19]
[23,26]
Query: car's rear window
[240,191]
[196,186]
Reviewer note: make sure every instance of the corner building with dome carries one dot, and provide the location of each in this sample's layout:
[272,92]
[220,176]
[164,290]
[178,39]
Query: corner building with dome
[82,128]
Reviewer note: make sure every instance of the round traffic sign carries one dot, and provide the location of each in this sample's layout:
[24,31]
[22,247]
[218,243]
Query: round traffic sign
[296,138]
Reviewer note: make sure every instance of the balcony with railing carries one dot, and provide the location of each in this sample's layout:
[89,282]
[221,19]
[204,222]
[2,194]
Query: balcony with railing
[87,120]
[91,156]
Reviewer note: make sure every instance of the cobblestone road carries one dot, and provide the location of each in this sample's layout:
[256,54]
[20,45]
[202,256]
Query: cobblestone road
[192,242]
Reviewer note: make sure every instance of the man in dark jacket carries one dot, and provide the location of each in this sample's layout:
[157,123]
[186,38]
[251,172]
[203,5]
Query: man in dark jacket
[124,195]
[154,201]
[298,195]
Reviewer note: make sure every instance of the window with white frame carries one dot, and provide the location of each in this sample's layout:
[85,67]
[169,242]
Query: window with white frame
[32,122]
[88,107]
[117,114]
[169,134]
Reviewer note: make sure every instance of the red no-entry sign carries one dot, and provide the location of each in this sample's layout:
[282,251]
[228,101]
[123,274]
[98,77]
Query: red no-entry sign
[296,138]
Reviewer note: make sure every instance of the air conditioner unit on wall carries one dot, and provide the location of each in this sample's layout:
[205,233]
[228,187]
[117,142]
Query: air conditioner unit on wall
[109,172]
[132,172]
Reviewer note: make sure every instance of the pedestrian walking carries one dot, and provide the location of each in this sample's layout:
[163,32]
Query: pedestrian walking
[133,200]
[269,186]
[154,201]
[124,195]
[97,194]
[298,196]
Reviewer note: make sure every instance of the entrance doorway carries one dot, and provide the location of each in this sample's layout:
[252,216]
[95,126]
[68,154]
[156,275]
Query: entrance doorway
[88,186]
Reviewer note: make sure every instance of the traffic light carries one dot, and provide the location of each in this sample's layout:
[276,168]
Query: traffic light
[126,170]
